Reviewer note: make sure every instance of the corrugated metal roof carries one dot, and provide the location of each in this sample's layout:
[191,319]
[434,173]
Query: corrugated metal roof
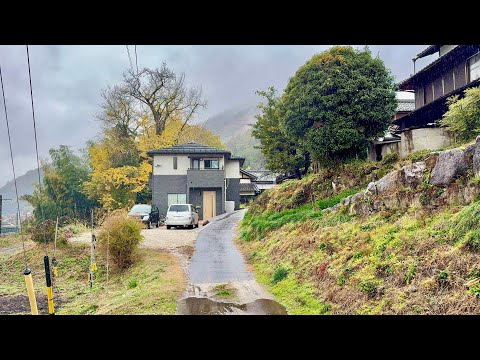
[247,187]
[264,175]
[406,105]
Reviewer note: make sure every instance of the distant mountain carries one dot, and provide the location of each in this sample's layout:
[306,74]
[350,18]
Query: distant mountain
[25,186]
[233,126]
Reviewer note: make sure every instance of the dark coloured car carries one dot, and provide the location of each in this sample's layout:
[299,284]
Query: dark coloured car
[148,214]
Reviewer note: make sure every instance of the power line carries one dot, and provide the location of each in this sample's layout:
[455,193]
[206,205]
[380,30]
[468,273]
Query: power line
[13,167]
[36,150]
[129,58]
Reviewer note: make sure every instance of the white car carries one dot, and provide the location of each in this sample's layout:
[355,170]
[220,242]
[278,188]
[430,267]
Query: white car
[181,215]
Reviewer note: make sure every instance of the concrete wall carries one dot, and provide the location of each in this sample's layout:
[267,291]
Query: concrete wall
[163,165]
[414,140]
[164,185]
[233,192]
[229,206]
[422,139]
[232,169]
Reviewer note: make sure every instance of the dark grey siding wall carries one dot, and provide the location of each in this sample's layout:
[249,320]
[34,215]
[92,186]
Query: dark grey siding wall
[448,81]
[233,192]
[205,178]
[167,184]
[419,97]
[460,79]
[196,198]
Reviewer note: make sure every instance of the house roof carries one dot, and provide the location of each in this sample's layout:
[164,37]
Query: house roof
[432,49]
[405,105]
[241,159]
[248,187]
[264,175]
[453,57]
[251,176]
[190,148]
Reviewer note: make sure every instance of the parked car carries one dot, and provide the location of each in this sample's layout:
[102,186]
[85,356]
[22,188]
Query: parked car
[185,215]
[148,214]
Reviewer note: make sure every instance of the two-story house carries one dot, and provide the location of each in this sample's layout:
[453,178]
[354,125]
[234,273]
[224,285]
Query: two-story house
[206,177]
[456,68]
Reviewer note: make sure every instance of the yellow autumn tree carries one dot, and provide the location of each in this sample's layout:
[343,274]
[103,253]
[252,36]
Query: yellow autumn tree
[121,167]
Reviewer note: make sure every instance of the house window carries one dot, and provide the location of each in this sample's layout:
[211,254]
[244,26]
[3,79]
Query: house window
[475,68]
[177,199]
[196,164]
[175,163]
[211,164]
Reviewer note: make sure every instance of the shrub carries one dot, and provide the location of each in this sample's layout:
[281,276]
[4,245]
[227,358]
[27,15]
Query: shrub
[132,283]
[390,159]
[124,237]
[419,155]
[369,287]
[410,273]
[463,115]
[280,273]
[42,232]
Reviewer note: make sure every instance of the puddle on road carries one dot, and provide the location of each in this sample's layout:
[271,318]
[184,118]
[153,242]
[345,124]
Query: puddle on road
[206,306]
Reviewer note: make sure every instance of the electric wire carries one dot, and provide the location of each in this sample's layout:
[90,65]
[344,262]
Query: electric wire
[36,151]
[13,169]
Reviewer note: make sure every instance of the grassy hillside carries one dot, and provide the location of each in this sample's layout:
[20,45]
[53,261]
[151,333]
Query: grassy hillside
[422,261]
[151,286]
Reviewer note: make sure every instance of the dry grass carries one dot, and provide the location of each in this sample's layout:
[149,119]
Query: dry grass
[158,277]
[416,262]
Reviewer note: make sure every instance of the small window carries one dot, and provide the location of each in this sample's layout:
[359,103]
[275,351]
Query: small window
[475,67]
[211,164]
[175,163]
[196,164]
[176,199]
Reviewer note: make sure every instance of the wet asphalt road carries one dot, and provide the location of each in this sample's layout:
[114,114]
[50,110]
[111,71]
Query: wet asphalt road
[216,259]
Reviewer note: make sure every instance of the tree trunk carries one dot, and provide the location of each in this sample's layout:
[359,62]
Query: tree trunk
[159,124]
[307,161]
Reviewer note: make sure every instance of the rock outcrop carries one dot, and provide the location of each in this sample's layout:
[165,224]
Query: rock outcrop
[450,165]
[425,183]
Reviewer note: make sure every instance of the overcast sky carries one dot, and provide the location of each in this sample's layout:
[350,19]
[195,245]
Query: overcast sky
[67,81]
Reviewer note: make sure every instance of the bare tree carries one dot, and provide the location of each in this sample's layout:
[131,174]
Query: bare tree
[118,112]
[164,94]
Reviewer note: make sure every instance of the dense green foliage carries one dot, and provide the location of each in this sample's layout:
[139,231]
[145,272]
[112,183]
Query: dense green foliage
[331,108]
[463,115]
[62,191]
[280,150]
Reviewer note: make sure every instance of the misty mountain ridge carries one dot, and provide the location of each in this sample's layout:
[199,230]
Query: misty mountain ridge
[25,186]
[235,130]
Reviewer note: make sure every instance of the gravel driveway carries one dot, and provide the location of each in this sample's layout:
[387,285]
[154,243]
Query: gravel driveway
[179,242]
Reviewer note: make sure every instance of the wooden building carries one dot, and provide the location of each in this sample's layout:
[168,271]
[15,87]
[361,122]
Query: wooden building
[456,68]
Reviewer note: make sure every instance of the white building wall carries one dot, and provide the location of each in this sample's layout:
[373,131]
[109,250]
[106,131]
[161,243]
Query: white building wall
[163,165]
[232,169]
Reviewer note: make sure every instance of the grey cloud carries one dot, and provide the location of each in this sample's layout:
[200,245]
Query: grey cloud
[67,81]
